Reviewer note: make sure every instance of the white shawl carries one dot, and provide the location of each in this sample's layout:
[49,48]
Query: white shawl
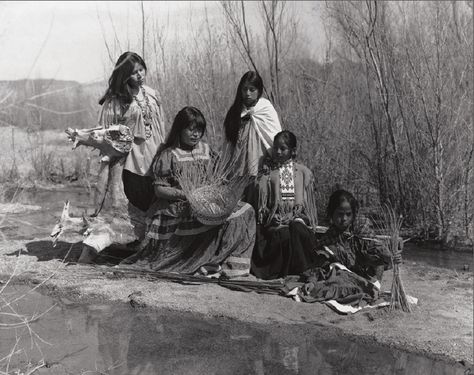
[262,128]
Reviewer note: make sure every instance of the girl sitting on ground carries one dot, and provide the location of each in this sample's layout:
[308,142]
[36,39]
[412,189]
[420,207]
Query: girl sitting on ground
[250,126]
[176,241]
[286,213]
[350,260]
[351,239]
[129,102]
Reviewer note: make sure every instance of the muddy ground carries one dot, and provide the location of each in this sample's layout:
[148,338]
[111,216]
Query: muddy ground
[440,327]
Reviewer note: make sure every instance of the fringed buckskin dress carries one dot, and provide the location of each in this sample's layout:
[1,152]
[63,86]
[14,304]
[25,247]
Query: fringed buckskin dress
[286,216]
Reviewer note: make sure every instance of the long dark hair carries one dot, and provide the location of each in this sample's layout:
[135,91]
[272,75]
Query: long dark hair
[337,198]
[232,119]
[185,118]
[118,81]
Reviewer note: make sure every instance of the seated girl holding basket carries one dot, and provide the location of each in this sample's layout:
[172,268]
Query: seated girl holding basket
[199,224]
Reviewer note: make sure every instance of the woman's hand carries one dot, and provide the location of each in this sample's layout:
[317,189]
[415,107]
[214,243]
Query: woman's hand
[282,220]
[170,193]
[246,118]
[397,258]
[298,210]
[179,195]
[308,287]
[263,214]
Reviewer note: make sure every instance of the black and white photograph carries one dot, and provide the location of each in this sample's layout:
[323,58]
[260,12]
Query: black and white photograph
[247,187]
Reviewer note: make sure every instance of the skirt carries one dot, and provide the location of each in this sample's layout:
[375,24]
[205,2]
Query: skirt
[186,248]
[282,251]
[138,189]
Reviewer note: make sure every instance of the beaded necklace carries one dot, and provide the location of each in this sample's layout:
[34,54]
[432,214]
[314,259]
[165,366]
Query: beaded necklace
[146,111]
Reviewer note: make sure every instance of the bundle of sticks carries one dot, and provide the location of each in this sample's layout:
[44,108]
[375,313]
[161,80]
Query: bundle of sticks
[258,286]
[391,226]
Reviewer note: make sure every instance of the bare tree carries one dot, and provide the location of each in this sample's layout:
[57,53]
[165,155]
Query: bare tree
[235,14]
[364,27]
[414,54]
[279,31]
[142,9]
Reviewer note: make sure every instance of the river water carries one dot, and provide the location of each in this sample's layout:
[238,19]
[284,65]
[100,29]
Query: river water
[118,339]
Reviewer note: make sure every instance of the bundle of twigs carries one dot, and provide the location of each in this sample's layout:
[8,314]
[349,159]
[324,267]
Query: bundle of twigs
[392,224]
[211,188]
[258,286]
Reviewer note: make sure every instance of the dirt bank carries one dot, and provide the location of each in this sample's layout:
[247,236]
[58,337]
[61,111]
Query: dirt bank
[440,327]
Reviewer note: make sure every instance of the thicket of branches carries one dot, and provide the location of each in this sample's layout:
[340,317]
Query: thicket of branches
[416,61]
[385,112]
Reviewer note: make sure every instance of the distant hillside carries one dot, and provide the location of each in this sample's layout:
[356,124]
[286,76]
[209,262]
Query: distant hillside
[49,103]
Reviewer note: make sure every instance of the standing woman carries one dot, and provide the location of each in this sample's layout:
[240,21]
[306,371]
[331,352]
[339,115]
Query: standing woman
[250,126]
[129,102]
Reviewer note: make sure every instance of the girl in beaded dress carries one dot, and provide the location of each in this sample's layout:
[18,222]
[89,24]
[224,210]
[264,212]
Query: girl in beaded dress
[286,213]
[138,108]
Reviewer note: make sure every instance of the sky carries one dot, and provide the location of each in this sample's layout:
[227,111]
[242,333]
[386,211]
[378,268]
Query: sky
[65,39]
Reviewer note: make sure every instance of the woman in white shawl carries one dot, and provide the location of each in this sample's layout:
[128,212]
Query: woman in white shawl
[250,126]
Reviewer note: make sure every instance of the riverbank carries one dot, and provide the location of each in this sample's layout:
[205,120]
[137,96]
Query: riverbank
[440,326]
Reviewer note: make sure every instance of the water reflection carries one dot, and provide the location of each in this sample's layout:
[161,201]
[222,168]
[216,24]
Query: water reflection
[170,343]
[144,343]
[121,340]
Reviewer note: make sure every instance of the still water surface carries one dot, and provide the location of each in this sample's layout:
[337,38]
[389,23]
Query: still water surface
[118,339]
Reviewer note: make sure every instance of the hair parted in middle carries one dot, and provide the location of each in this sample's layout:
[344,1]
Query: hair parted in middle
[232,119]
[185,118]
[290,140]
[118,81]
[338,197]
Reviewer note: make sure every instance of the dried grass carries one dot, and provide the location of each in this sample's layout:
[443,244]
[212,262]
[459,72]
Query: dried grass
[42,156]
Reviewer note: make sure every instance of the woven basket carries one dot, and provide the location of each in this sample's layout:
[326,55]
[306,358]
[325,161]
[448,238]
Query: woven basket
[212,205]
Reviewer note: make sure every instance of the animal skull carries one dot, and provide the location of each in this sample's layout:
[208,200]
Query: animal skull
[112,227]
[69,227]
[102,139]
